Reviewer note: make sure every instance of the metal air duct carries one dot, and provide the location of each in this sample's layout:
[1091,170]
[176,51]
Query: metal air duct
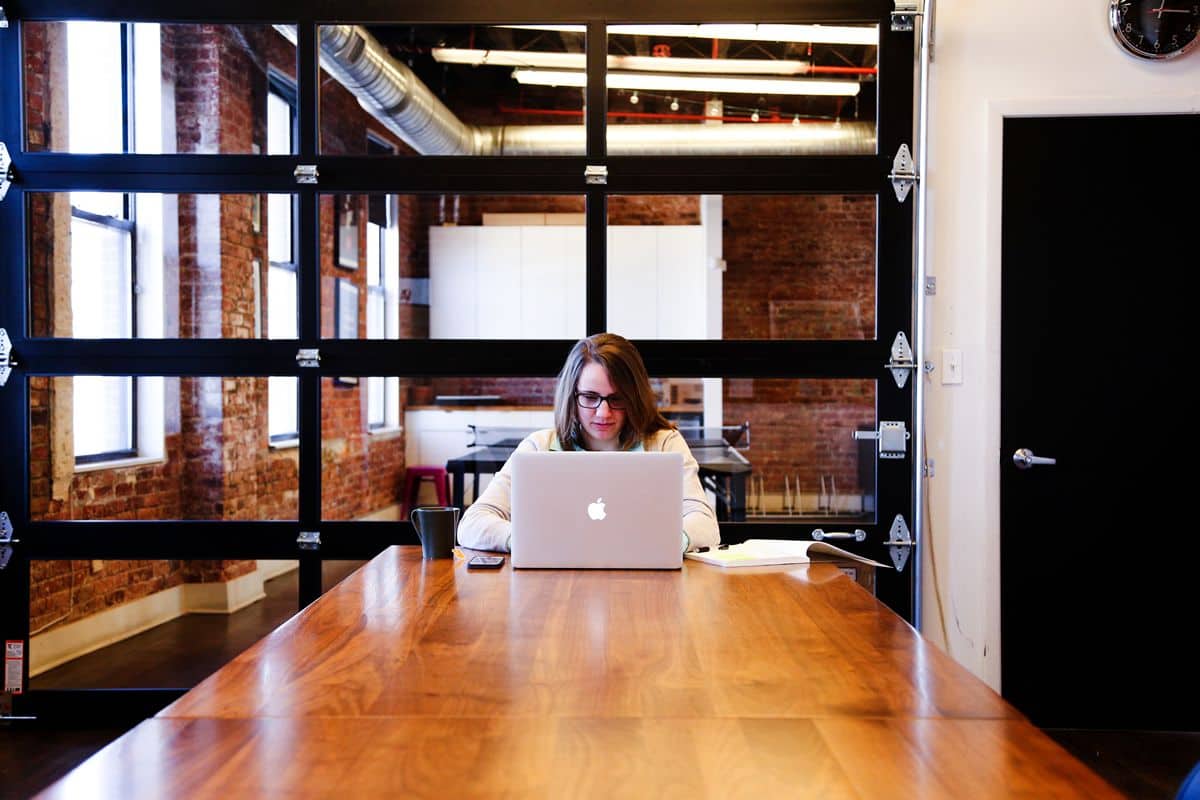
[393,94]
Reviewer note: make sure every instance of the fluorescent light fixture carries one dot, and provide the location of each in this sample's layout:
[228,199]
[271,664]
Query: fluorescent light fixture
[817,34]
[534,58]
[711,84]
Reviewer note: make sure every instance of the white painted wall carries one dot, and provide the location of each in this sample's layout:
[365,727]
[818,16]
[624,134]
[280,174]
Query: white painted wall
[991,60]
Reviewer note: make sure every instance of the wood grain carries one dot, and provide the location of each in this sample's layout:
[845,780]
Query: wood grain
[423,679]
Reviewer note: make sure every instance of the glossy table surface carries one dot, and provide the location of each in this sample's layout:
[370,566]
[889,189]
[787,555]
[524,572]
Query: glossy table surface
[423,679]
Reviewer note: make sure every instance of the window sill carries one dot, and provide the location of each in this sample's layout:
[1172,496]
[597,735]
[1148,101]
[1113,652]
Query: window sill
[285,444]
[390,432]
[120,463]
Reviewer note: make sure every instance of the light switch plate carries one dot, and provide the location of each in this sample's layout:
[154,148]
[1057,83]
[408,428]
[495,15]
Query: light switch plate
[952,369]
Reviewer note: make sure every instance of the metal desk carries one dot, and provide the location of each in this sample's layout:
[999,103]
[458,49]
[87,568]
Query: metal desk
[723,470]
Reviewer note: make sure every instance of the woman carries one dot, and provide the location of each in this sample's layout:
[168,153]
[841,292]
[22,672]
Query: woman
[603,401]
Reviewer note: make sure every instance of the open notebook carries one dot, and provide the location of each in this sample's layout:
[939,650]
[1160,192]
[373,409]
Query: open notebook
[760,552]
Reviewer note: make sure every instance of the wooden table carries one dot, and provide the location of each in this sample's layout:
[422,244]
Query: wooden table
[420,678]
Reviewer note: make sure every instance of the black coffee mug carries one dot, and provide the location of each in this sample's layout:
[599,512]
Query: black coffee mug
[436,528]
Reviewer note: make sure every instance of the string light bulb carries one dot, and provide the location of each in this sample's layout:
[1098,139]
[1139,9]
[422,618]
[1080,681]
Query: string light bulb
[796,120]
[633,98]
[674,103]
[754,116]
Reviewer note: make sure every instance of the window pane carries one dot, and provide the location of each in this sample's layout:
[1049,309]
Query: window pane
[376,397]
[280,229]
[283,411]
[200,262]
[279,125]
[203,450]
[770,450]
[189,88]
[281,295]
[101,283]
[742,266]
[742,89]
[94,76]
[103,417]
[454,89]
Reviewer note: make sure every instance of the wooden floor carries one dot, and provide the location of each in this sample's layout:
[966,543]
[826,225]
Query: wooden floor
[182,652]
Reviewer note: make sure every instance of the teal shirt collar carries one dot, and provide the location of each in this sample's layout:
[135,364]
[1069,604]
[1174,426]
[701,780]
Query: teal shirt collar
[555,444]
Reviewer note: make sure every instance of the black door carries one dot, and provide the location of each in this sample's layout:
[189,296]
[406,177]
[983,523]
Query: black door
[1100,610]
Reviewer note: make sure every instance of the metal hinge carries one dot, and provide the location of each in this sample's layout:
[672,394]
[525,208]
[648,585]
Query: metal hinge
[892,436]
[901,361]
[309,540]
[7,362]
[899,543]
[6,170]
[927,471]
[905,16]
[904,173]
[6,534]
[595,174]
[305,173]
[308,357]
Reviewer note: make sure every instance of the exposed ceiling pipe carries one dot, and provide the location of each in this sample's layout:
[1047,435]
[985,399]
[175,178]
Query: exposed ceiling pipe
[393,94]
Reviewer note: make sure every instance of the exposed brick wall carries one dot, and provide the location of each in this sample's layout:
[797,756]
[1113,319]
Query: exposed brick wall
[802,429]
[799,267]
[218,464]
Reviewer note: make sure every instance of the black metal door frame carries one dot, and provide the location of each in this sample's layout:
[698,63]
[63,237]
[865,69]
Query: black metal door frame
[43,172]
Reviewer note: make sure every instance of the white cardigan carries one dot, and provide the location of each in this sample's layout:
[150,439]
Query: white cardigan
[487,525]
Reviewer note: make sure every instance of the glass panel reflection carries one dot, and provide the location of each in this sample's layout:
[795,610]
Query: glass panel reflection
[117,624]
[157,448]
[741,89]
[161,266]
[425,422]
[453,89]
[123,87]
[769,449]
[452,266]
[742,266]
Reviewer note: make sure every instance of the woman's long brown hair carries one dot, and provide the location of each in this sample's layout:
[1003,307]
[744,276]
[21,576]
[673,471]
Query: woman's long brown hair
[625,369]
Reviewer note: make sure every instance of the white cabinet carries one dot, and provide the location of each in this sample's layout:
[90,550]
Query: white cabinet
[528,282]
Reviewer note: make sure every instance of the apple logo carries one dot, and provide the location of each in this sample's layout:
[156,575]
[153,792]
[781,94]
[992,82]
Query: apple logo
[596,509]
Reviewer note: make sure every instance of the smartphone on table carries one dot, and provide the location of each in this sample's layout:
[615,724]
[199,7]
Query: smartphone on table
[485,562]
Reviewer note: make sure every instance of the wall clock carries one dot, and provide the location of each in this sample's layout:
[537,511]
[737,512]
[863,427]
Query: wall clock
[1155,29]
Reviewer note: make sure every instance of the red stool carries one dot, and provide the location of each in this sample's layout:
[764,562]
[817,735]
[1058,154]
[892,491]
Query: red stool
[414,477]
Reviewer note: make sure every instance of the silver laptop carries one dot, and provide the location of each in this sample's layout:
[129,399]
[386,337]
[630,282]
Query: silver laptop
[597,510]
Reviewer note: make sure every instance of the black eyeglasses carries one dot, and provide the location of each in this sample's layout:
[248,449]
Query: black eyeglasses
[593,400]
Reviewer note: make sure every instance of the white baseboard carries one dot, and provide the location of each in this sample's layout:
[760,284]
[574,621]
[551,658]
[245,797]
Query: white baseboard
[60,645]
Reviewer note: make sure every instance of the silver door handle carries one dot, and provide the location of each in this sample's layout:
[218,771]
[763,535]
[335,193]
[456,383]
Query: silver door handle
[1024,459]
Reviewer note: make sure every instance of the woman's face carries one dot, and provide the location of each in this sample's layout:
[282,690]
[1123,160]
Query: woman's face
[601,427]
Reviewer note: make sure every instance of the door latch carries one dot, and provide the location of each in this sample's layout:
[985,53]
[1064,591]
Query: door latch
[308,357]
[309,540]
[892,436]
